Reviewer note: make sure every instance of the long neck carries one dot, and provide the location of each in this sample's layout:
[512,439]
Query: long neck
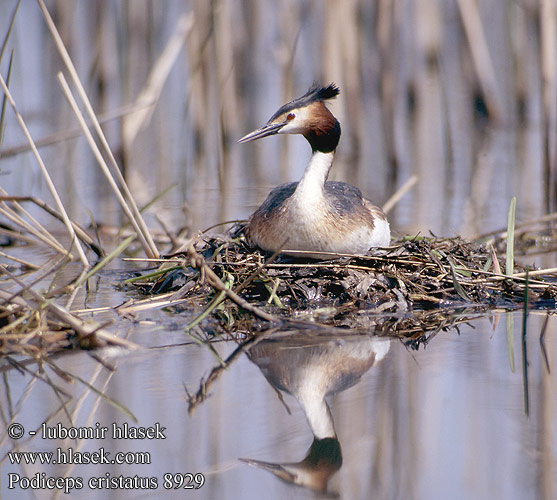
[313,181]
[317,412]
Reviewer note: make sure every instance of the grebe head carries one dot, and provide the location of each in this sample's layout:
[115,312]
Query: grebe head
[308,115]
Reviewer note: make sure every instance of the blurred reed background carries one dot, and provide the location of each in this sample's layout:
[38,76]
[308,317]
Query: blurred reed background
[460,93]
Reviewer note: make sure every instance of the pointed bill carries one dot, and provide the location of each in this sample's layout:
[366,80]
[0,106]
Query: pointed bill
[269,129]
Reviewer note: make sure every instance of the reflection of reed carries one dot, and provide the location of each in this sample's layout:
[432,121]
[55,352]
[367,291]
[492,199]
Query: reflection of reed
[310,370]
[422,84]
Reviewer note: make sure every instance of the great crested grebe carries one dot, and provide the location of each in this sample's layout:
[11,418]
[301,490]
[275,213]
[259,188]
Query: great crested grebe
[311,369]
[314,214]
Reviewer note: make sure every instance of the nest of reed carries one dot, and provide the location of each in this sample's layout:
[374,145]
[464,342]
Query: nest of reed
[418,284]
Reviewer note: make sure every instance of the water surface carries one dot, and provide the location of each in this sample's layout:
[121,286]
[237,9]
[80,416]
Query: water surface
[446,421]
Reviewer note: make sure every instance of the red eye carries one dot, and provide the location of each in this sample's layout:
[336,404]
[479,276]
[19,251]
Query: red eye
[291,116]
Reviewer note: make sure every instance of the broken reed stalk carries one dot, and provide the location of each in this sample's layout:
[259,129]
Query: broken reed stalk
[34,227]
[86,330]
[10,65]
[132,211]
[50,267]
[79,231]
[39,233]
[46,175]
[10,27]
[28,265]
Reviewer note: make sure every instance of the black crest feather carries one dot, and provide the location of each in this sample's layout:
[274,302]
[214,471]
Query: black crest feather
[319,93]
[315,93]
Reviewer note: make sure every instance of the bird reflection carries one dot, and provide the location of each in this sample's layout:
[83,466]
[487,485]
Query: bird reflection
[310,370]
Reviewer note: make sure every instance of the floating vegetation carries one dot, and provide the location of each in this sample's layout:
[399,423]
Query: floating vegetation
[416,283]
[34,326]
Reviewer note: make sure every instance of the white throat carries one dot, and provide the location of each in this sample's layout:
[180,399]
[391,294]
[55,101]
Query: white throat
[317,412]
[312,183]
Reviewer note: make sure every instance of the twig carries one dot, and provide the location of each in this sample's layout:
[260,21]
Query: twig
[199,263]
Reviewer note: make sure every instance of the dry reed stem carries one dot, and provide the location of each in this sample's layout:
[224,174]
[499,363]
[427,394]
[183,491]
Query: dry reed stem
[153,303]
[17,235]
[148,97]
[104,167]
[50,267]
[69,133]
[34,222]
[47,239]
[84,329]
[548,42]
[45,173]
[79,231]
[477,42]
[134,214]
[502,233]
[400,192]
[25,263]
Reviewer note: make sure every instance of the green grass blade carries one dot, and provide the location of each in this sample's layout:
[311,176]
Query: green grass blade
[510,338]
[158,197]
[218,299]
[117,251]
[509,269]
[154,274]
[457,286]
